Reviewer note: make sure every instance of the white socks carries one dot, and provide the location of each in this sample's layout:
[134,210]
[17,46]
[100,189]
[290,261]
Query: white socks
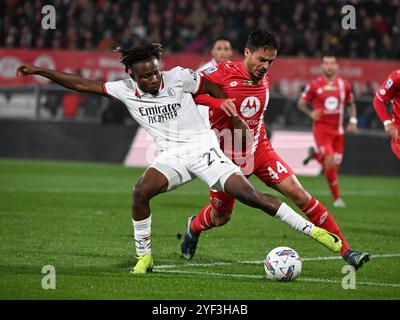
[293,219]
[142,231]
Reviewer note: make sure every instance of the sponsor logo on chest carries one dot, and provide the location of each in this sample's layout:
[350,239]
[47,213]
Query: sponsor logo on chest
[160,113]
[250,106]
[331,103]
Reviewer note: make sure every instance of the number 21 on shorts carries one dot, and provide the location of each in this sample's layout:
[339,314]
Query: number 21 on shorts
[280,168]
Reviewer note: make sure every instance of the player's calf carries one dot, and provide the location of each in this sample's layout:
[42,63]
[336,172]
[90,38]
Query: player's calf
[292,188]
[220,218]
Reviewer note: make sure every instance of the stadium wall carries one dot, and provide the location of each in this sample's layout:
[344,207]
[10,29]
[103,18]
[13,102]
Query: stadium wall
[65,140]
[369,153]
[366,153]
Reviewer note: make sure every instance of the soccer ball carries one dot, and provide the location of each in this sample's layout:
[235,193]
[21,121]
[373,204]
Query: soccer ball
[282,264]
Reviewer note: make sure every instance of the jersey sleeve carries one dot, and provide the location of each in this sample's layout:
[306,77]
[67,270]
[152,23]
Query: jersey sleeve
[190,80]
[389,87]
[308,93]
[381,109]
[207,100]
[114,89]
[215,74]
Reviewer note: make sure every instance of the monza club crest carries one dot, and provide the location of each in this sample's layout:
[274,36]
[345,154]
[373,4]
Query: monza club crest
[250,106]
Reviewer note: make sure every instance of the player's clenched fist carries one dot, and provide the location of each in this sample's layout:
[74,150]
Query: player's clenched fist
[26,69]
[315,114]
[352,128]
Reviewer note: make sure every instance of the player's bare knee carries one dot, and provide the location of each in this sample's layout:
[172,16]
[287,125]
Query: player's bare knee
[141,192]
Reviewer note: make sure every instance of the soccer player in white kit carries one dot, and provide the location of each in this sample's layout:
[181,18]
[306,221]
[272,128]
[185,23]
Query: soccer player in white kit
[162,103]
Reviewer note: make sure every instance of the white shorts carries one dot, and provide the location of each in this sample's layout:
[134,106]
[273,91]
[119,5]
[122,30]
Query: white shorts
[211,166]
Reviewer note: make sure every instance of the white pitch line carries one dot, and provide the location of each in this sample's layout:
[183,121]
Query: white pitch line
[172,266]
[250,276]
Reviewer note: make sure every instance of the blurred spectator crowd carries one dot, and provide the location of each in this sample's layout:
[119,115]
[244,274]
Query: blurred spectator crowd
[306,28]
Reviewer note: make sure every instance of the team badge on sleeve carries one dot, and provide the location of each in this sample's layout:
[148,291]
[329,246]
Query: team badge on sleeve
[389,83]
[210,70]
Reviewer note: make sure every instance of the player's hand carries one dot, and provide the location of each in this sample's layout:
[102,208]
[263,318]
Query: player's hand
[352,128]
[229,107]
[392,131]
[315,115]
[26,69]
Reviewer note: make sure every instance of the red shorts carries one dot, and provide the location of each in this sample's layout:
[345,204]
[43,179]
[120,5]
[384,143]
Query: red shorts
[267,166]
[330,144]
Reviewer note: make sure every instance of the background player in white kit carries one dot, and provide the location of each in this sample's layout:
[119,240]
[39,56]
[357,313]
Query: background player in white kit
[162,103]
[220,52]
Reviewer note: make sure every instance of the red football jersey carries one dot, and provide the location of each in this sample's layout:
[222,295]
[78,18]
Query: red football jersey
[390,91]
[251,100]
[331,98]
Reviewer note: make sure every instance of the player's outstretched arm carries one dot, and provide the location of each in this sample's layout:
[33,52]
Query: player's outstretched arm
[68,80]
[210,94]
[211,88]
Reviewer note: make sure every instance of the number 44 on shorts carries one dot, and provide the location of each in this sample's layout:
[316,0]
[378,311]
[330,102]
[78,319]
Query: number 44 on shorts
[280,168]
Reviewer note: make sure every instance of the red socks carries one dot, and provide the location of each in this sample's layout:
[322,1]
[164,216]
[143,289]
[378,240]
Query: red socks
[331,176]
[321,217]
[202,221]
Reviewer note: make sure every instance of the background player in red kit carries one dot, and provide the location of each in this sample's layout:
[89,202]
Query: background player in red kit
[329,96]
[247,83]
[390,91]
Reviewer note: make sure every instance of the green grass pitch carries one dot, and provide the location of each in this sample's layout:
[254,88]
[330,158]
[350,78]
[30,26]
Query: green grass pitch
[76,217]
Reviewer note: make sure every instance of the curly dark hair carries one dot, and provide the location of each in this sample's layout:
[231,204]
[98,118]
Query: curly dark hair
[136,54]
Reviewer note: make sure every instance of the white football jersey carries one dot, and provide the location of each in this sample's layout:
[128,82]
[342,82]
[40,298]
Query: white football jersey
[171,117]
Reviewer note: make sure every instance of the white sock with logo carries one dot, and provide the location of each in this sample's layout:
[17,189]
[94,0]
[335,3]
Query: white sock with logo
[293,219]
[142,231]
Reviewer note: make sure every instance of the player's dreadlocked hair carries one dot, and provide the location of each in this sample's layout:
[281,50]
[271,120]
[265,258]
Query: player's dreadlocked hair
[148,51]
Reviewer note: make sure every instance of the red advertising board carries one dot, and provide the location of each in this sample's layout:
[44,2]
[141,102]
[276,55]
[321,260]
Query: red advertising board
[288,75]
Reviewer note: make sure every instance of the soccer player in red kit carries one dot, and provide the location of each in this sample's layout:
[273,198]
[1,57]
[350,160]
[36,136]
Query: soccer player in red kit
[329,96]
[248,83]
[390,91]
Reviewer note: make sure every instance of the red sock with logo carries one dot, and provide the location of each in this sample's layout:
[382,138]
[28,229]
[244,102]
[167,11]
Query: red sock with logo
[321,217]
[332,178]
[202,221]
